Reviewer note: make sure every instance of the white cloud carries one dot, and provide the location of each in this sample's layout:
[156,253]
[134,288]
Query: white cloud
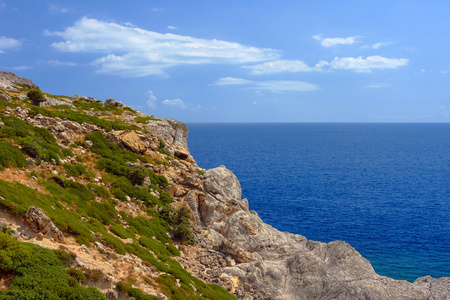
[272,85]
[21,68]
[378,45]
[132,51]
[8,43]
[329,42]
[232,81]
[360,64]
[58,63]
[175,103]
[151,99]
[57,9]
[172,27]
[279,66]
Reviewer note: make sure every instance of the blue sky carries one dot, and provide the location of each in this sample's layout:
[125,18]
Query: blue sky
[239,61]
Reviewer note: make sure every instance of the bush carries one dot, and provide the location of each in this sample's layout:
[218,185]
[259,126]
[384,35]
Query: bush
[38,273]
[35,141]
[67,152]
[36,96]
[10,155]
[75,170]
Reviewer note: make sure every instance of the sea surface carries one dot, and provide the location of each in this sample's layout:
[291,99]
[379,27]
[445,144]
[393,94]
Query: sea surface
[383,188]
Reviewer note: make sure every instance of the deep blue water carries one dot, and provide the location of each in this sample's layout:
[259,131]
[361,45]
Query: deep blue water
[383,188]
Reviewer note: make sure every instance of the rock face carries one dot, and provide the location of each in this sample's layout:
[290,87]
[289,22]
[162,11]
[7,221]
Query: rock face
[41,223]
[9,81]
[173,131]
[280,265]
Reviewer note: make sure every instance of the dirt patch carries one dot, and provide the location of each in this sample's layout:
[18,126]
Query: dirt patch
[5,280]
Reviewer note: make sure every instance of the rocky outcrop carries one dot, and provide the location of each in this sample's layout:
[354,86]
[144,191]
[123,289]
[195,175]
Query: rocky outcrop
[41,223]
[171,130]
[114,103]
[10,82]
[279,265]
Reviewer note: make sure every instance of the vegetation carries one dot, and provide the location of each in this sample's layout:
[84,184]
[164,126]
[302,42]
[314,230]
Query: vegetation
[11,156]
[38,273]
[87,209]
[36,97]
[35,141]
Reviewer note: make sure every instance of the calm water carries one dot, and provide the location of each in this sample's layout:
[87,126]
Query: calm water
[383,188]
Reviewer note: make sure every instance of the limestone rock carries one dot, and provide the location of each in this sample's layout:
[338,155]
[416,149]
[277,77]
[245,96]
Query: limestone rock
[5,97]
[173,131]
[113,102]
[281,265]
[41,223]
[134,142]
[9,81]
[83,98]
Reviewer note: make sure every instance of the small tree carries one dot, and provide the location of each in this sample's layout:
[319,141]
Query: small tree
[36,96]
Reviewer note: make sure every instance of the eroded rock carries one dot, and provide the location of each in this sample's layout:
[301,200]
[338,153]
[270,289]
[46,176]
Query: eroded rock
[41,223]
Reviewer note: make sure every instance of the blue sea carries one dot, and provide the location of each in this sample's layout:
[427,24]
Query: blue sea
[383,188]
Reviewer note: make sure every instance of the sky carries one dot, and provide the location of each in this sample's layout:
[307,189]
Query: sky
[239,61]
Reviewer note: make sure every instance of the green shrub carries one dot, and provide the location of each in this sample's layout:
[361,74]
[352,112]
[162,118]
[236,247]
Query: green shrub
[100,191]
[154,227]
[143,120]
[152,244]
[67,152]
[35,141]
[122,232]
[11,156]
[75,170]
[38,273]
[36,96]
[179,221]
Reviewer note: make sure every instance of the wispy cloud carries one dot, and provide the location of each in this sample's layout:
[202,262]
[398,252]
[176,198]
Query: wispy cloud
[57,9]
[357,64]
[172,27]
[57,63]
[151,99]
[271,85]
[330,42]
[378,45]
[20,68]
[279,66]
[132,51]
[175,103]
[8,43]
[360,64]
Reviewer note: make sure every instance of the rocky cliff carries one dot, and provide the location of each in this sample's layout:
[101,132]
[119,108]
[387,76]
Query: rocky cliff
[122,195]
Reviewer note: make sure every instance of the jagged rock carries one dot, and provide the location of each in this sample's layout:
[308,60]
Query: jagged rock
[53,101]
[133,142]
[281,265]
[173,131]
[5,97]
[112,295]
[41,223]
[83,98]
[9,81]
[113,102]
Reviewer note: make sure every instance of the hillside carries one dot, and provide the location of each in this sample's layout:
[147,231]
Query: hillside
[98,201]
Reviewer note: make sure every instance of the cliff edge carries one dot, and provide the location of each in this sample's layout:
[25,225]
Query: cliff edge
[120,194]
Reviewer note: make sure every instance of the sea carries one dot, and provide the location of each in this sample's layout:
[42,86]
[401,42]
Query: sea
[383,188]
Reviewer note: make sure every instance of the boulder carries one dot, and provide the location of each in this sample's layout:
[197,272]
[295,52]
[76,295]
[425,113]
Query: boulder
[133,142]
[10,82]
[282,265]
[114,103]
[5,97]
[41,223]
